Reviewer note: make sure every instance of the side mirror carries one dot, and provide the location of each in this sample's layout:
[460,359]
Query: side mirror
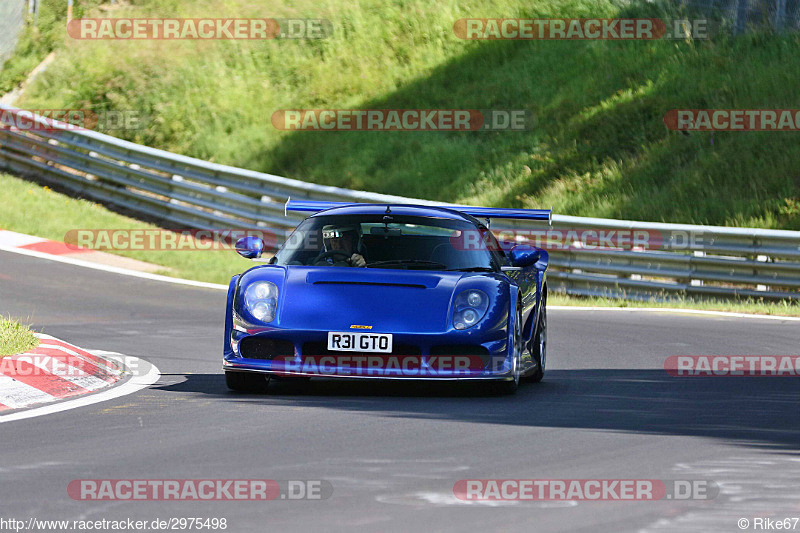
[250,247]
[524,255]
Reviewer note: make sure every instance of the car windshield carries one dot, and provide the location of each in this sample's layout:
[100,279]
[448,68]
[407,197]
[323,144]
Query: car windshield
[404,242]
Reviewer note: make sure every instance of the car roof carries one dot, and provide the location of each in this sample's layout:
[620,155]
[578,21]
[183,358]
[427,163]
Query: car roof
[399,209]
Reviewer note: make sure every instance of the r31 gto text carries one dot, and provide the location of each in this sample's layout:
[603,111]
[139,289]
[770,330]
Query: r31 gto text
[345,341]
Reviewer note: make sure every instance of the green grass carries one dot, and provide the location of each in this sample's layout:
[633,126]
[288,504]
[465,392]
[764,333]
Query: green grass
[29,208]
[784,308]
[15,338]
[598,146]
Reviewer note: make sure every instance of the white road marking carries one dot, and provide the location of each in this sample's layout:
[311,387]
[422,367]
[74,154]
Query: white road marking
[13,239]
[750,485]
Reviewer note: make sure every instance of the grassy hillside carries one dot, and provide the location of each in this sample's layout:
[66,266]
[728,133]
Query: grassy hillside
[599,146]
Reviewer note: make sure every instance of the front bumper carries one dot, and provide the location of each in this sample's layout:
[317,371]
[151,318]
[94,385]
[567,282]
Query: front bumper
[416,357]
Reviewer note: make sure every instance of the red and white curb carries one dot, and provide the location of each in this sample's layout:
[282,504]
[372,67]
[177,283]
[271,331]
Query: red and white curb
[55,370]
[20,241]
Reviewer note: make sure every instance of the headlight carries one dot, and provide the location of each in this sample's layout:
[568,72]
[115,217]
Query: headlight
[261,299]
[470,307]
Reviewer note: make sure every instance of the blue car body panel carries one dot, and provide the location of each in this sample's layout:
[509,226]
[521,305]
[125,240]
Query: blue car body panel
[415,306]
[227,351]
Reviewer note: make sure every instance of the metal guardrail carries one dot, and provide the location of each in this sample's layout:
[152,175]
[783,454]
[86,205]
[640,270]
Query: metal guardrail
[668,259]
[749,15]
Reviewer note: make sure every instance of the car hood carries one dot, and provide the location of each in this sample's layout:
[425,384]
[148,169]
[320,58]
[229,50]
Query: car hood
[331,298]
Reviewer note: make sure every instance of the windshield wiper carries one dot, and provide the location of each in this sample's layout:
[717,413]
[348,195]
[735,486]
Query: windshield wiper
[471,269]
[405,262]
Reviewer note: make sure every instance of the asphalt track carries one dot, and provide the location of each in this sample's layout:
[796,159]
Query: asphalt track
[393,452]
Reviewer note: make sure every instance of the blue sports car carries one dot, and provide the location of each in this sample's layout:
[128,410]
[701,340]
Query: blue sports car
[389,292]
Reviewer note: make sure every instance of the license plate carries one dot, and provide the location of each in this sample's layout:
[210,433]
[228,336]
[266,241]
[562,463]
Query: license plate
[346,341]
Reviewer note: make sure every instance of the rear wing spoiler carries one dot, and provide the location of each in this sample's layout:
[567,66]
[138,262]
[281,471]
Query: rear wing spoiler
[477,212]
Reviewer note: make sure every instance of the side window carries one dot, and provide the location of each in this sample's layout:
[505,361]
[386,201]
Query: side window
[493,246]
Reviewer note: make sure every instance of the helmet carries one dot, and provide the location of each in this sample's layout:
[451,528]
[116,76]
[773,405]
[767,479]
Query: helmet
[335,231]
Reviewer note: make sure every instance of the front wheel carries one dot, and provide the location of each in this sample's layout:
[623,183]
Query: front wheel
[246,381]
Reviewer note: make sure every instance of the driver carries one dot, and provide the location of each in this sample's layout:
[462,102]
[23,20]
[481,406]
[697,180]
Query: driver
[342,239]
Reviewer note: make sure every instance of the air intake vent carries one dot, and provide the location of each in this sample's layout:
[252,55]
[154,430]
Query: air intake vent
[473,352]
[264,348]
[412,285]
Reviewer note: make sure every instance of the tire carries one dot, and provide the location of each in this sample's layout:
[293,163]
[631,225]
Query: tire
[246,381]
[539,348]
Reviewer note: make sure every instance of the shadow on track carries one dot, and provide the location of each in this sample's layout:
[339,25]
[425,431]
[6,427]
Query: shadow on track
[752,411]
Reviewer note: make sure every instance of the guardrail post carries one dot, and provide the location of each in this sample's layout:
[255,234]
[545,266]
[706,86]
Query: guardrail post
[696,282]
[741,17]
[780,15]
[763,259]
[175,179]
